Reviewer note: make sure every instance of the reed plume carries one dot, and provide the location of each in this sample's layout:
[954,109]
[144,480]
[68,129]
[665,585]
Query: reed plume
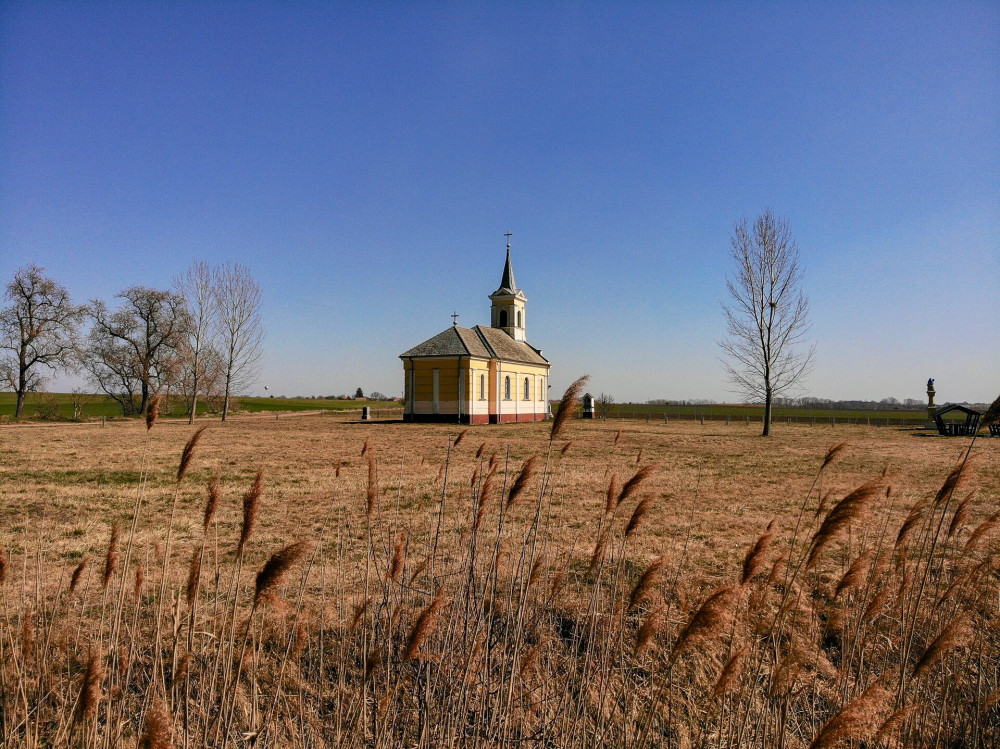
[618,436]
[3,567]
[631,487]
[981,531]
[485,496]
[140,578]
[212,505]
[858,720]
[251,501]
[911,523]
[638,457]
[961,512]
[611,495]
[756,556]
[90,687]
[638,515]
[856,573]
[951,483]
[557,580]
[364,449]
[460,437]
[358,613]
[957,634]
[27,634]
[731,672]
[566,405]
[992,414]
[152,411]
[851,508]
[712,618]
[565,448]
[527,471]
[650,627]
[188,452]
[398,557]
[833,453]
[74,579]
[273,571]
[823,502]
[424,627]
[894,723]
[599,547]
[111,557]
[158,729]
[647,582]
[536,571]
[480,450]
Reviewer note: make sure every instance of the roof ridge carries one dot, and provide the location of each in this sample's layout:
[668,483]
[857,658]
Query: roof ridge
[486,342]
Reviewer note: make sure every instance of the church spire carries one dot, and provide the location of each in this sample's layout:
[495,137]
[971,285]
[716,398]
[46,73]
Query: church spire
[508,311]
[507,281]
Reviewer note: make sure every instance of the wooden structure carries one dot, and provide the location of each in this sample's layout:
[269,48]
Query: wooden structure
[955,427]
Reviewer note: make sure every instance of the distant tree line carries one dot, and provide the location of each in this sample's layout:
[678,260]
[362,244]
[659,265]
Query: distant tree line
[885,404]
[200,339]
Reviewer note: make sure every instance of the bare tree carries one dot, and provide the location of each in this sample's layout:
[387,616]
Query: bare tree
[604,402]
[196,286]
[135,352]
[39,330]
[767,319]
[240,331]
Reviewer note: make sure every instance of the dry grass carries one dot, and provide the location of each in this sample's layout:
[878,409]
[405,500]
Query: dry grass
[415,590]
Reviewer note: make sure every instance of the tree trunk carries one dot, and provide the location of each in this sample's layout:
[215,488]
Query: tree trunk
[194,391]
[22,386]
[768,397]
[225,399]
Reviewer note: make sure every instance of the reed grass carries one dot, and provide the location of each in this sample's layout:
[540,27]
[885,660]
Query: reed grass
[457,620]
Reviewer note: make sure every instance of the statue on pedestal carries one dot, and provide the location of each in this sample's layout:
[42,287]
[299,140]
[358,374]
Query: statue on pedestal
[931,408]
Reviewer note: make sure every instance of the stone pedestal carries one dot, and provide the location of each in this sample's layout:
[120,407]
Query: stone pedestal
[931,408]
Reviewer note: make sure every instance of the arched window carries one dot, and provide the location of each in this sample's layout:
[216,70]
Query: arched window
[519,318]
[506,388]
[502,319]
[526,388]
[482,387]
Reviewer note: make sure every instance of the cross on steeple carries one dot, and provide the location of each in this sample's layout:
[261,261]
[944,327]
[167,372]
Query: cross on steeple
[509,234]
[454,318]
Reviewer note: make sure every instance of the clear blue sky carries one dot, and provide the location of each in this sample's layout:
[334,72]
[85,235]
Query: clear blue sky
[366,159]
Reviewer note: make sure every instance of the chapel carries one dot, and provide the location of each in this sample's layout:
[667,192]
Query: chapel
[480,375]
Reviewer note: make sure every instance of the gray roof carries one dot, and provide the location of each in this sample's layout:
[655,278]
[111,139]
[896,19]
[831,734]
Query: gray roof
[480,342]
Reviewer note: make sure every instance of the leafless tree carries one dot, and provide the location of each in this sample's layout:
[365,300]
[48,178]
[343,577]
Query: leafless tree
[38,330]
[196,286]
[240,330]
[767,318]
[134,352]
[604,402]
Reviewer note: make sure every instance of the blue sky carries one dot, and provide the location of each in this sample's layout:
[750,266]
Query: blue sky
[366,159]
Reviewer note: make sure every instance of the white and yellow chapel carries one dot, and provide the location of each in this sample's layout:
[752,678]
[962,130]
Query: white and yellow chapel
[479,375]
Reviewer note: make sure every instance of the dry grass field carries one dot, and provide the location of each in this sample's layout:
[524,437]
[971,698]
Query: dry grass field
[453,595]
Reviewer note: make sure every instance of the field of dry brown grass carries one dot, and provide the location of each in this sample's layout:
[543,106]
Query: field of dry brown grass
[385,584]
[66,484]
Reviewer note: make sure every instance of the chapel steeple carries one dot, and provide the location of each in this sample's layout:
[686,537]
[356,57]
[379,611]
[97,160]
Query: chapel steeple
[507,312]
